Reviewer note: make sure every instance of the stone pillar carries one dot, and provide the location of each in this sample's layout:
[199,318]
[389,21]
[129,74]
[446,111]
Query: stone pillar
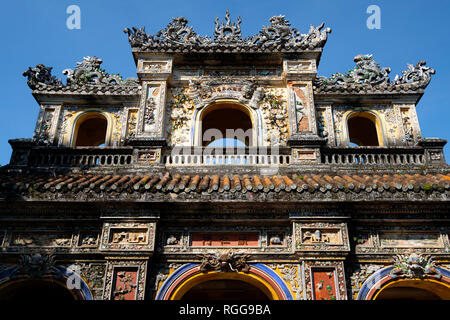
[21,151]
[433,150]
[150,137]
[304,139]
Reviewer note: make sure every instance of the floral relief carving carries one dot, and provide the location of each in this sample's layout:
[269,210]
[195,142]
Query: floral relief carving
[181,108]
[274,110]
[43,134]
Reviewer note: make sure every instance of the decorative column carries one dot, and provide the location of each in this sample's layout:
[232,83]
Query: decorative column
[322,244]
[433,150]
[128,246]
[153,72]
[304,138]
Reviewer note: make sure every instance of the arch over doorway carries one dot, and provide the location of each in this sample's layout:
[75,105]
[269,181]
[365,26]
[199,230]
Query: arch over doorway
[381,285]
[227,114]
[51,285]
[259,279]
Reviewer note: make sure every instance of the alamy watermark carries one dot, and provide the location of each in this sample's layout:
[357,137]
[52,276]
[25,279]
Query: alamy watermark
[73,281]
[73,21]
[374,20]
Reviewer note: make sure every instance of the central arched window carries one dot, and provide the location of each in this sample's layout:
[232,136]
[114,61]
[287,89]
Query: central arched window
[363,129]
[226,125]
[90,130]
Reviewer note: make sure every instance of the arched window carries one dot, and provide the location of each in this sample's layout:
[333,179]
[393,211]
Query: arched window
[363,130]
[90,130]
[226,125]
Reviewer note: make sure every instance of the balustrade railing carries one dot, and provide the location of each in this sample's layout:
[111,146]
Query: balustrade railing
[235,159]
[374,156]
[123,156]
[91,157]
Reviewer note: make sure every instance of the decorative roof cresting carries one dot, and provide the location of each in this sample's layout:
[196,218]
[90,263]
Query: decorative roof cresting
[87,72]
[368,73]
[277,37]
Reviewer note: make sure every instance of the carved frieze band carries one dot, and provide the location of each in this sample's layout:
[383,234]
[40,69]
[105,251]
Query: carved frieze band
[17,240]
[398,241]
[198,240]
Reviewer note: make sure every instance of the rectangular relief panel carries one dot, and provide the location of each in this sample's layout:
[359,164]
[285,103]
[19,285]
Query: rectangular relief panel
[125,280]
[125,283]
[128,237]
[131,123]
[224,239]
[324,282]
[411,240]
[40,239]
[88,240]
[321,237]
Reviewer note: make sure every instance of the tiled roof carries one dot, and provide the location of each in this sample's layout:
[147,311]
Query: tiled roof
[87,89]
[193,183]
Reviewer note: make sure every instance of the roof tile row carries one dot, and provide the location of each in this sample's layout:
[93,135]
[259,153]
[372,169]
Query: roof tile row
[226,183]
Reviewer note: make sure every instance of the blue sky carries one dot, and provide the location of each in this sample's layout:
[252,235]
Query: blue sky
[34,31]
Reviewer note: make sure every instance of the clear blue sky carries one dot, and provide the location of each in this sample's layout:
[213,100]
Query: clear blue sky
[34,31]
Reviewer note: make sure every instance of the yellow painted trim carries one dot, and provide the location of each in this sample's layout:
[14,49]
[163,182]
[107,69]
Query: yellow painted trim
[439,288]
[72,130]
[373,116]
[212,275]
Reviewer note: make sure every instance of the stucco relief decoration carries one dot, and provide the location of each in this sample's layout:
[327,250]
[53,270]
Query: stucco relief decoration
[407,126]
[128,236]
[203,89]
[414,266]
[368,74]
[322,124]
[418,73]
[42,136]
[225,261]
[301,113]
[93,274]
[131,123]
[367,71]
[181,108]
[228,35]
[228,31]
[33,239]
[87,72]
[357,275]
[292,275]
[125,280]
[325,280]
[125,285]
[274,110]
[37,265]
[41,75]
[150,108]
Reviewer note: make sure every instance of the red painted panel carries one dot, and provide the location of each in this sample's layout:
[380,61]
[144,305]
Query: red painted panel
[125,284]
[224,239]
[324,284]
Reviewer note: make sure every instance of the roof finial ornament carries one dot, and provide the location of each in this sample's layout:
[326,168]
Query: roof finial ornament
[231,31]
